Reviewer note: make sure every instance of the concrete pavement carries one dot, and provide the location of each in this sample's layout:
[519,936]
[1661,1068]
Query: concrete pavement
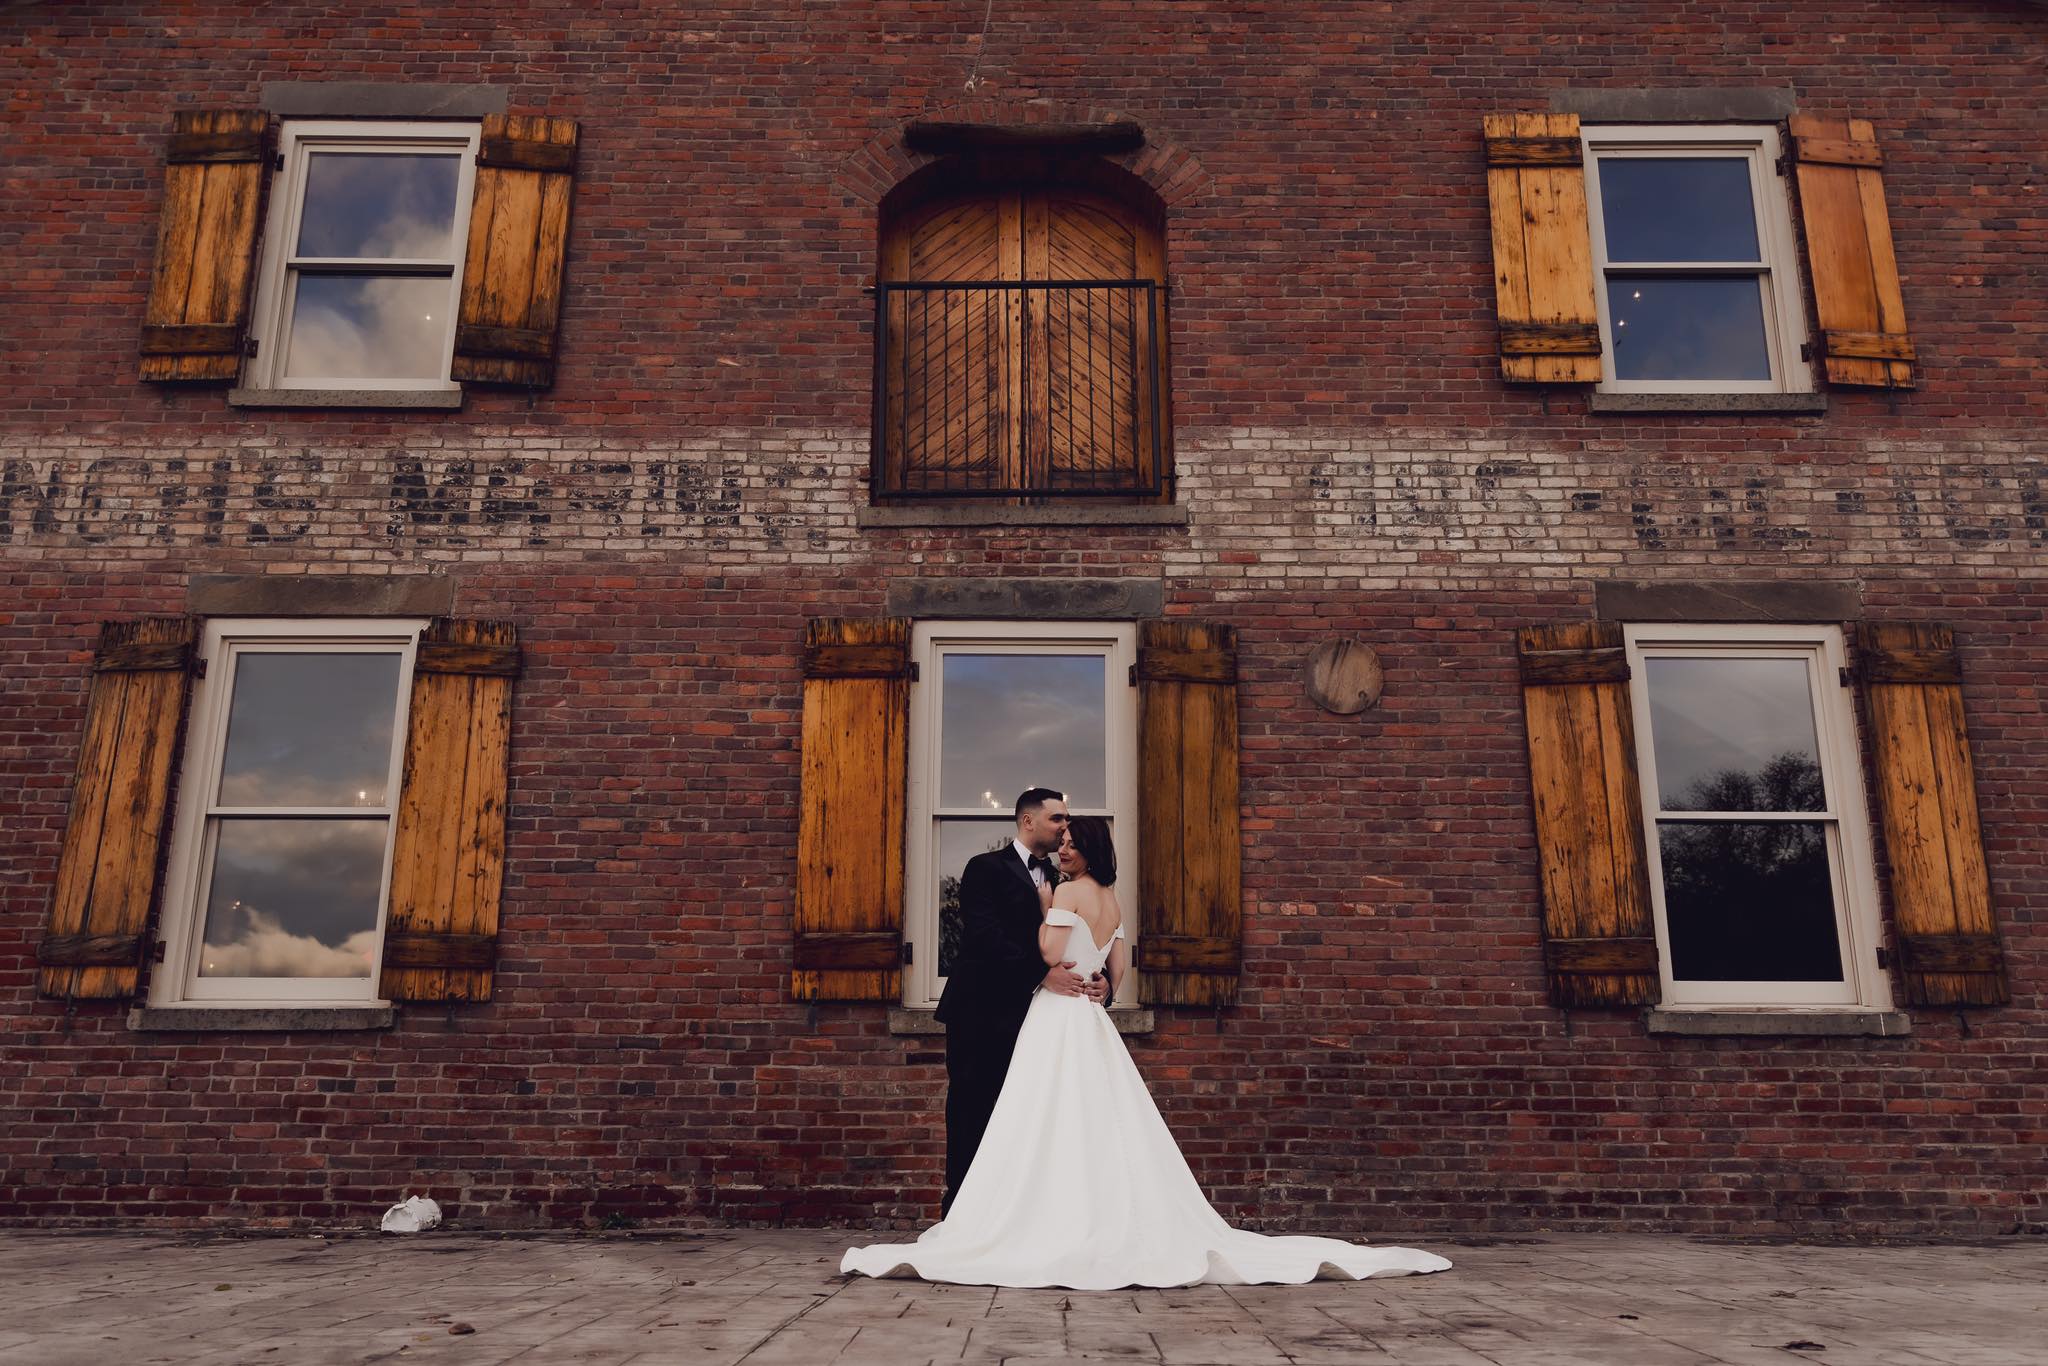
[773,1298]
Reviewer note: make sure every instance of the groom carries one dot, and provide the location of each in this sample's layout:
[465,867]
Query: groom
[997,971]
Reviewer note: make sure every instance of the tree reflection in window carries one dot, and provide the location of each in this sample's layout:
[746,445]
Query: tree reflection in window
[1751,900]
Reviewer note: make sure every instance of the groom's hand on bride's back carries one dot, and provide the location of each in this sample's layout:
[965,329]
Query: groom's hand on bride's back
[1064,981]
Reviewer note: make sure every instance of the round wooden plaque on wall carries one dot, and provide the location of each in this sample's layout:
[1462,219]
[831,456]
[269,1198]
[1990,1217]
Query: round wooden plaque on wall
[1344,676]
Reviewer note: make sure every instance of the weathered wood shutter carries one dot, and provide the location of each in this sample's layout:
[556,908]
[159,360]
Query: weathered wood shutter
[1599,937]
[198,313]
[448,853]
[1190,918]
[1949,950]
[518,242]
[1849,251]
[107,870]
[851,824]
[1542,250]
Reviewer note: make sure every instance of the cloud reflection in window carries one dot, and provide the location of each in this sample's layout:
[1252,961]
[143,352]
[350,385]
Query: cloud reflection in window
[1017,721]
[294,898]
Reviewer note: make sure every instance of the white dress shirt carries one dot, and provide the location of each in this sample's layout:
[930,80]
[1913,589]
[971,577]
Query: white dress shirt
[1037,875]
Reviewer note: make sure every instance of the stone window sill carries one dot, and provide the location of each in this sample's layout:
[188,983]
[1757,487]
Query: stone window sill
[442,399]
[902,1021]
[190,1019]
[1779,1023]
[955,514]
[1796,405]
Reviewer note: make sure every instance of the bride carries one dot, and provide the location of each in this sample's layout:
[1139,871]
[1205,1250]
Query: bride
[1077,1182]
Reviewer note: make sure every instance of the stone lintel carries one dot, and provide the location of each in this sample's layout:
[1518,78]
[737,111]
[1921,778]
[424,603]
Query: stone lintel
[320,595]
[1748,600]
[1738,104]
[1791,405]
[1067,599]
[381,100]
[448,400]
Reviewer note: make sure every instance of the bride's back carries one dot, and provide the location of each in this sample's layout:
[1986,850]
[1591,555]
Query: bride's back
[1095,907]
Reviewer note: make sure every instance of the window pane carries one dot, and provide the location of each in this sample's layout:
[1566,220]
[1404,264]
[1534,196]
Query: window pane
[375,204]
[1010,722]
[1678,209]
[1688,327]
[310,729]
[957,842]
[1749,902]
[294,899]
[1734,735]
[369,327]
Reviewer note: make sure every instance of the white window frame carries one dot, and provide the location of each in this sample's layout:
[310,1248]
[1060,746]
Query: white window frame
[270,326]
[176,980]
[1777,270]
[1865,985]
[930,642]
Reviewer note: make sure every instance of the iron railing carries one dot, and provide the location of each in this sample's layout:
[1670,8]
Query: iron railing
[1018,389]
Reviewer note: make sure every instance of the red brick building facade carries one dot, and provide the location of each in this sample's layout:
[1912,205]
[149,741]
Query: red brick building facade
[1468,958]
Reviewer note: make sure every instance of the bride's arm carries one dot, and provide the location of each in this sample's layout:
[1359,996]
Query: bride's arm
[1053,939]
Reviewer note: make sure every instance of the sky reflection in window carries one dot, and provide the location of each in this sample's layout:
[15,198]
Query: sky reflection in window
[378,204]
[369,327]
[294,898]
[1678,209]
[1013,721]
[1688,327]
[1734,735]
[310,729]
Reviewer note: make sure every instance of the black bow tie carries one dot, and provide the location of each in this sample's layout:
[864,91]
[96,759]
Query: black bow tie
[1042,864]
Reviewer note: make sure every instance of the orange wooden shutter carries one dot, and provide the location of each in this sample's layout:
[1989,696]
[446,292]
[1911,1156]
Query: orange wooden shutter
[1849,250]
[107,871]
[1599,940]
[850,828]
[1190,919]
[518,241]
[1542,250]
[198,313]
[1949,950]
[448,853]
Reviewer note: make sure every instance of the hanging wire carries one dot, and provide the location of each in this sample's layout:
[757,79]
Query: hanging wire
[980,46]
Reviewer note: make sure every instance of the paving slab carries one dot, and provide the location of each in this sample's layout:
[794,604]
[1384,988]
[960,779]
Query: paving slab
[738,1297]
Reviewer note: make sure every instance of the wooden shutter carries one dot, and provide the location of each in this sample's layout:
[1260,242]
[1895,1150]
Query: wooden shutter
[850,827]
[1542,250]
[1949,951]
[1599,938]
[107,870]
[518,239]
[198,313]
[1849,250]
[1190,919]
[448,853]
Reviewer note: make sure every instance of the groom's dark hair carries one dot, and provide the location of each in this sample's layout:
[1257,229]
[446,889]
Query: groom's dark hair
[1034,797]
[1090,835]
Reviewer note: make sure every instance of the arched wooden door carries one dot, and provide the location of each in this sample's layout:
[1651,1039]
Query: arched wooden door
[1023,333]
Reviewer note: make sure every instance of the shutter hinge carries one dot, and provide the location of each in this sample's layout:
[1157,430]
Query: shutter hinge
[1847,675]
[913,678]
[906,952]
[277,162]
[1884,957]
[1783,165]
[1134,675]
[1806,352]
[157,955]
[199,666]
[249,345]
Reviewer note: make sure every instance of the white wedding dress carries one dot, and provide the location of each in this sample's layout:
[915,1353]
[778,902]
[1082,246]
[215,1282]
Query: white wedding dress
[1078,1182]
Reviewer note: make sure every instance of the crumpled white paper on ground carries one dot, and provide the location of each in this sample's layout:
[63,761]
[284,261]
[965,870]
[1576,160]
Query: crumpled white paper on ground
[415,1214]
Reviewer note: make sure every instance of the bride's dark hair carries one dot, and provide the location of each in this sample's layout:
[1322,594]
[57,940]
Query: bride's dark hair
[1092,842]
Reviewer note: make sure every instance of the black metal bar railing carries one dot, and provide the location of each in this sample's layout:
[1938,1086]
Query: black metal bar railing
[1018,389]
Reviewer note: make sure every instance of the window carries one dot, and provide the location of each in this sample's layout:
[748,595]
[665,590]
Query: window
[363,261]
[1693,261]
[1758,844]
[280,859]
[999,707]
[1020,337]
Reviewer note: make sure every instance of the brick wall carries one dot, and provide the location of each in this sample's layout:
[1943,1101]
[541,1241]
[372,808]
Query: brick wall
[661,523]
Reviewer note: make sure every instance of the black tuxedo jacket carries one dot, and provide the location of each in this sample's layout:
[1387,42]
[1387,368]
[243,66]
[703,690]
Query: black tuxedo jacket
[997,963]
